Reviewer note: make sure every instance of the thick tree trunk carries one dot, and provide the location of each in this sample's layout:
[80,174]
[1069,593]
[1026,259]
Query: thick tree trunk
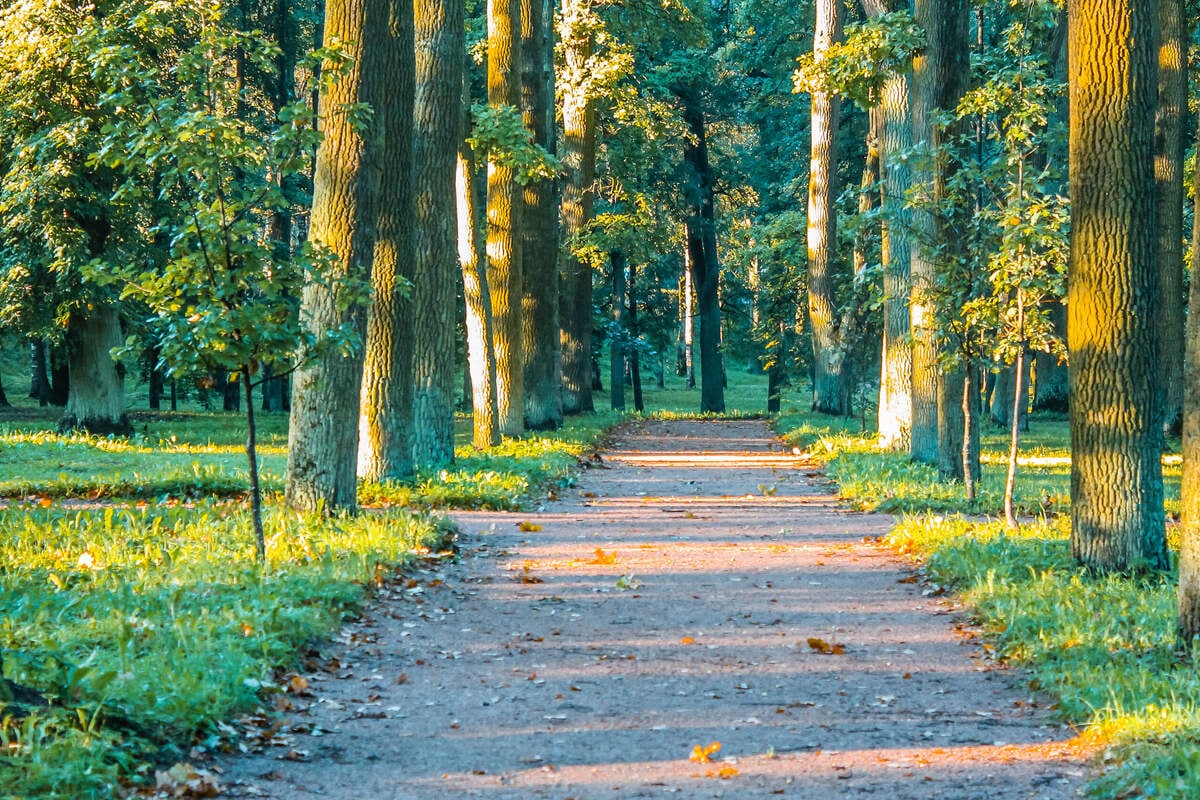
[828,353]
[951,425]
[578,197]
[616,349]
[505,199]
[1117,520]
[1168,173]
[541,337]
[436,125]
[323,432]
[385,418]
[60,376]
[39,374]
[1189,491]
[481,353]
[940,76]
[96,402]
[702,258]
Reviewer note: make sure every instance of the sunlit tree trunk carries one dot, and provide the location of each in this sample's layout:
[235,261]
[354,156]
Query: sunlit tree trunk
[828,353]
[541,342]
[1189,492]
[1168,172]
[436,125]
[96,400]
[323,433]
[1117,520]
[481,353]
[505,199]
[578,196]
[616,348]
[385,414]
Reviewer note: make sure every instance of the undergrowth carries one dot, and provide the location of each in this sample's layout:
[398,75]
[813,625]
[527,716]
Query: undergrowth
[1104,647]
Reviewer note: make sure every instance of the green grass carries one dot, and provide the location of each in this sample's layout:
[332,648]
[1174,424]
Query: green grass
[1103,647]
[156,617]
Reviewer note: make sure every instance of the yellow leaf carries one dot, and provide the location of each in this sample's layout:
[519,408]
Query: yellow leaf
[604,558]
[702,755]
[529,527]
[687,640]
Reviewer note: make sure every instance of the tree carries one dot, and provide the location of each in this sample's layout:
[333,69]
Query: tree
[436,124]
[829,395]
[385,415]
[1189,491]
[1168,173]
[541,343]
[323,433]
[505,200]
[1117,520]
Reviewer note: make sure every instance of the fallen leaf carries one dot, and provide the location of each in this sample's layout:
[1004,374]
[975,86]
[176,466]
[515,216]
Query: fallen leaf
[529,527]
[184,780]
[703,755]
[687,640]
[825,648]
[724,773]
[603,557]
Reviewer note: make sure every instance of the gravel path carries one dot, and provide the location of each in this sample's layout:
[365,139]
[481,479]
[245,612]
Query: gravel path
[698,585]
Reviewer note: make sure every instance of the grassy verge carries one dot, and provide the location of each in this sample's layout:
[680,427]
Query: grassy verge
[1103,647]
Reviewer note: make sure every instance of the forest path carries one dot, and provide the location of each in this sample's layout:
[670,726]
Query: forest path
[680,594]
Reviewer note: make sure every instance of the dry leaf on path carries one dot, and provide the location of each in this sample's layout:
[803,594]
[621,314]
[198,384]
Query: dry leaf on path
[825,648]
[703,755]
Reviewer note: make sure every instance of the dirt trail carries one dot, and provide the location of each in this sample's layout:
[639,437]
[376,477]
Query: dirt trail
[679,595]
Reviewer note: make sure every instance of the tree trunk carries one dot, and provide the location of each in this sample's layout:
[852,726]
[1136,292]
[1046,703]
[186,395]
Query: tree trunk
[969,452]
[1189,491]
[616,349]
[481,353]
[436,126]
[951,425]
[635,362]
[39,374]
[541,344]
[1168,173]
[828,354]
[385,418]
[688,306]
[1050,390]
[702,258]
[578,197]
[260,539]
[323,431]
[940,75]
[505,199]
[96,402]
[1117,520]
[1003,398]
[1019,402]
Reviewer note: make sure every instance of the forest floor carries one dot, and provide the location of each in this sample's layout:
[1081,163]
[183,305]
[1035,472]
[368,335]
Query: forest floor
[699,584]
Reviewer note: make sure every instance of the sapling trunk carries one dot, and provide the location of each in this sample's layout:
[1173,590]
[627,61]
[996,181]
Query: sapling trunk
[969,423]
[260,541]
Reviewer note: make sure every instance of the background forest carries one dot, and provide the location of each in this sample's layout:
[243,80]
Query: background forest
[357,222]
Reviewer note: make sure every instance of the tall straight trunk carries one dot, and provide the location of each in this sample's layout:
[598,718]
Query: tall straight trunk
[951,425]
[96,402]
[1117,520]
[541,342]
[828,354]
[323,432]
[1019,401]
[436,127]
[1189,491]
[616,346]
[505,199]
[1168,173]
[939,78]
[1002,404]
[635,363]
[154,381]
[481,353]
[260,539]
[968,452]
[702,258]
[385,416]
[688,307]
[1050,371]
[578,198]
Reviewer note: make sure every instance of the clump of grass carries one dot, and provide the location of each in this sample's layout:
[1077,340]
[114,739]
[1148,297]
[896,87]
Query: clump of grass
[158,617]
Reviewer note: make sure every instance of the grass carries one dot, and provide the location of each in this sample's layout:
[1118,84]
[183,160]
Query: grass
[1103,647]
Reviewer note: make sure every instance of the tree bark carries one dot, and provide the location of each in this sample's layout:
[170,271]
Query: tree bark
[828,353]
[436,124]
[1050,387]
[39,374]
[635,362]
[1117,520]
[541,344]
[939,77]
[481,353]
[505,199]
[323,431]
[616,348]
[702,258]
[1168,173]
[385,419]
[96,402]
[1189,491]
